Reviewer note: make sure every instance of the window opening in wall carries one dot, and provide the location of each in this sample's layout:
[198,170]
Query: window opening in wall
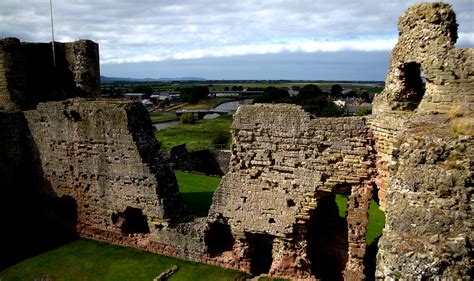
[261,258]
[414,87]
[134,221]
[327,237]
[218,239]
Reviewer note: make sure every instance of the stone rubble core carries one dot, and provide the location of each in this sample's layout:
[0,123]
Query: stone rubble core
[423,131]
[93,167]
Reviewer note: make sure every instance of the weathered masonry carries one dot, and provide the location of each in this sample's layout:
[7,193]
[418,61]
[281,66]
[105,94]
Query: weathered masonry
[285,171]
[423,127]
[28,77]
[73,165]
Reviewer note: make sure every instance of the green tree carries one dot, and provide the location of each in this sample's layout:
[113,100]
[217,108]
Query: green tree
[145,89]
[308,91]
[336,90]
[194,94]
[363,111]
[187,118]
[317,103]
[365,96]
[273,95]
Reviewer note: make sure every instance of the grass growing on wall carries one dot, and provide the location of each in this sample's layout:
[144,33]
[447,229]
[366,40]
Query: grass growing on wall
[197,191]
[196,136]
[91,260]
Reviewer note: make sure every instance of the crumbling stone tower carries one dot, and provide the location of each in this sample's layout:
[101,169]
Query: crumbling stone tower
[27,74]
[91,167]
[427,75]
[423,127]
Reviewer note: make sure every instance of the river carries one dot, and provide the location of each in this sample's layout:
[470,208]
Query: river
[231,106]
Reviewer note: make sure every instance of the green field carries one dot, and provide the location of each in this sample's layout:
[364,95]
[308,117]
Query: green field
[375,224]
[90,260]
[196,136]
[157,117]
[197,191]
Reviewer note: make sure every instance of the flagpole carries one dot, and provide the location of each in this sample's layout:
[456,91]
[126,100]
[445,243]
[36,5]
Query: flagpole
[52,32]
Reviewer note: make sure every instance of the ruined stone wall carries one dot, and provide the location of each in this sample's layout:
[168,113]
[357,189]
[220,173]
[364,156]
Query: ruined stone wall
[423,128]
[283,164]
[28,77]
[102,155]
[427,75]
[12,74]
[429,218]
[28,225]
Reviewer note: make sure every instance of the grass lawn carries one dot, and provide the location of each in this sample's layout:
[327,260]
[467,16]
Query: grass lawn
[376,222]
[197,191]
[195,136]
[90,260]
[157,117]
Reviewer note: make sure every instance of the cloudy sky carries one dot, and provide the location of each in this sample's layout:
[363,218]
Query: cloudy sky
[228,39]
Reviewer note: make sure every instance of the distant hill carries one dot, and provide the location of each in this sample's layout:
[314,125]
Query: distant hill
[105,79]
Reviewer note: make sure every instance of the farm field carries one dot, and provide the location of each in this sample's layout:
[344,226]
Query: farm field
[200,135]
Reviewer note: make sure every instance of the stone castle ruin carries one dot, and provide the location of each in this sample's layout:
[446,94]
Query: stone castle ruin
[72,164]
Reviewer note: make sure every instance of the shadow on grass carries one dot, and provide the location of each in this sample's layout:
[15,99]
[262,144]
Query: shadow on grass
[198,202]
[370,259]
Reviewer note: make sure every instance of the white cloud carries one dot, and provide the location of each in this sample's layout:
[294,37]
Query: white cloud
[146,30]
[307,46]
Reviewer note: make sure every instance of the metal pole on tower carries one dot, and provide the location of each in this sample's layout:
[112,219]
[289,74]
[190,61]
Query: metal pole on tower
[52,32]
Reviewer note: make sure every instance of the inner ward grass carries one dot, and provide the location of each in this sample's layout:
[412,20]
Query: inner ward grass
[196,136]
[91,260]
[197,191]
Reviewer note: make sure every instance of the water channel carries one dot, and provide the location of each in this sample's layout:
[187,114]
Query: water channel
[231,106]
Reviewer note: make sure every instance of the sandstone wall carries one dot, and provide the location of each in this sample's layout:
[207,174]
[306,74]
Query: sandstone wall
[102,155]
[427,75]
[429,226]
[28,77]
[283,165]
[423,127]
[29,227]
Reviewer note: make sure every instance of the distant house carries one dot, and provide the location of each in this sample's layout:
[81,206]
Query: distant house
[346,91]
[166,96]
[148,105]
[134,96]
[226,94]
